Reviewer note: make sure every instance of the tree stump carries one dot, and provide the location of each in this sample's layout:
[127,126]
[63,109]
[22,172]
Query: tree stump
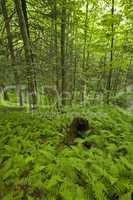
[77,129]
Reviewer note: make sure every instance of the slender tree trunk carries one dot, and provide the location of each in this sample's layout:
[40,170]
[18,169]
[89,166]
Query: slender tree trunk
[109,81]
[84,55]
[11,50]
[63,39]
[28,55]
[24,8]
[71,55]
[74,78]
[57,80]
[5,93]
[75,65]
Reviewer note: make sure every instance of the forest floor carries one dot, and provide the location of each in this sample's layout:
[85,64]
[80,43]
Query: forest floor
[36,164]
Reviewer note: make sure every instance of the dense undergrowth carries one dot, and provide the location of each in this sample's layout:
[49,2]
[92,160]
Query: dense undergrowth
[36,164]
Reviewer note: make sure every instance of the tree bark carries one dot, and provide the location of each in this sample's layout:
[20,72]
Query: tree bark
[75,65]
[63,39]
[84,55]
[109,81]
[24,8]
[56,49]
[28,55]
[11,50]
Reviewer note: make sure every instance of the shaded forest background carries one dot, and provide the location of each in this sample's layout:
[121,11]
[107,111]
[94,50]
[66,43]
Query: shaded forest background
[65,52]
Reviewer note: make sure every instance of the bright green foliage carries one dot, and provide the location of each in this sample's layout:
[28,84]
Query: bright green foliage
[35,164]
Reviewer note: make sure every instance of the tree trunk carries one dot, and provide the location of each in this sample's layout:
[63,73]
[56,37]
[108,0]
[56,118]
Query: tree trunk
[63,38]
[11,49]
[84,55]
[24,8]
[56,49]
[28,56]
[5,93]
[75,65]
[109,81]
